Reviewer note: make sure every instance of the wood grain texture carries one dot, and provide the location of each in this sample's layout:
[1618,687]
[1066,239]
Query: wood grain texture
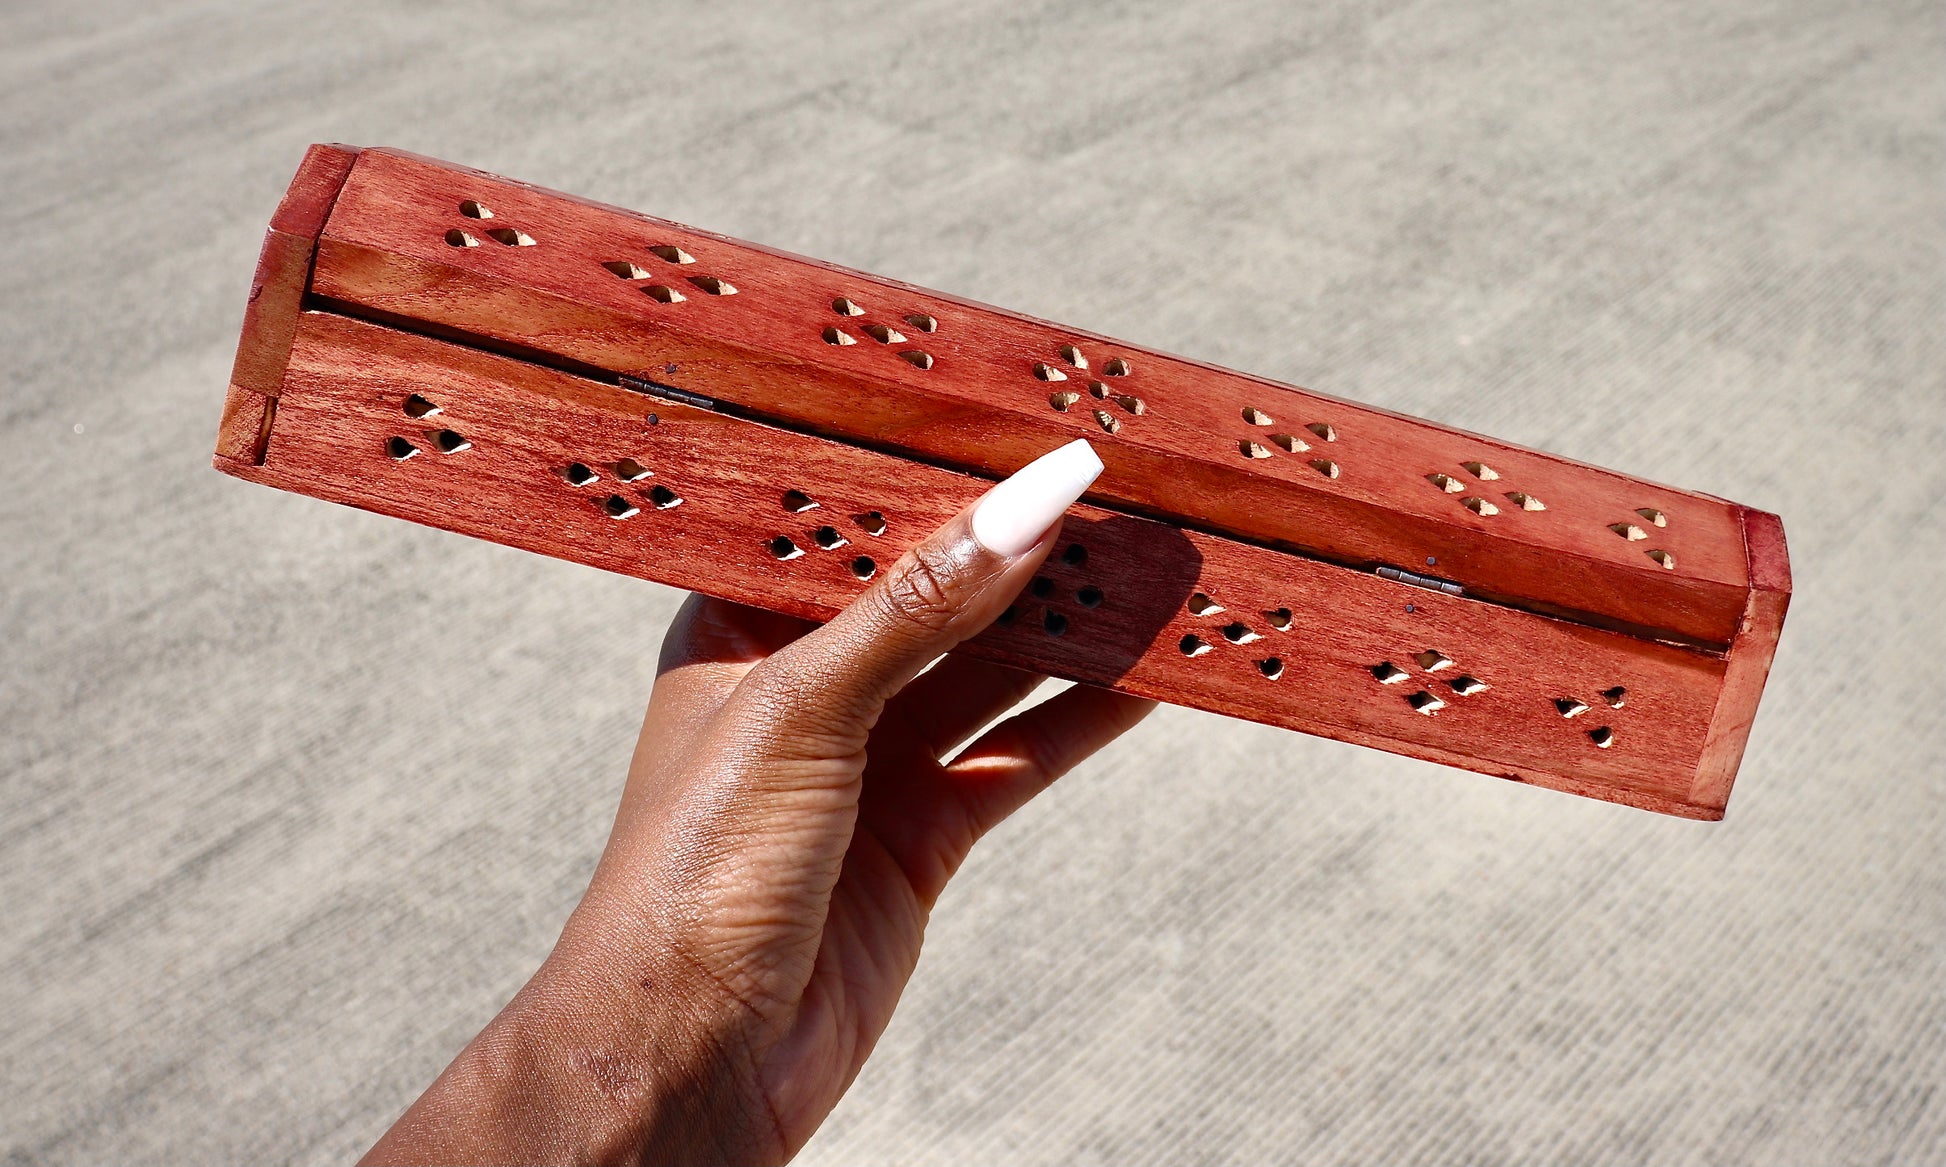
[1749,659]
[456,349]
[276,291]
[714,500]
[585,285]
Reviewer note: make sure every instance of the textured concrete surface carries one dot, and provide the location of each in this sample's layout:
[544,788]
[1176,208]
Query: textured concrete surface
[292,797]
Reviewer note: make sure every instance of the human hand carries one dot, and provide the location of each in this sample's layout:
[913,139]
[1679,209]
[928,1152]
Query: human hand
[789,821]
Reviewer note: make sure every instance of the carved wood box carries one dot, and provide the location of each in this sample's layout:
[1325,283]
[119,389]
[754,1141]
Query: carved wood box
[450,347]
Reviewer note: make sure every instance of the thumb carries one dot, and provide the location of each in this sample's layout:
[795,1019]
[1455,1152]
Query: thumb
[836,680]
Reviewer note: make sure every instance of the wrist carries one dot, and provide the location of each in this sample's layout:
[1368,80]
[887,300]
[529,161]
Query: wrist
[593,1061]
[657,1067]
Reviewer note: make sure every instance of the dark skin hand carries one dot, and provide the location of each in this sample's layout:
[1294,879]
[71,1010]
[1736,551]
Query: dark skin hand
[787,825]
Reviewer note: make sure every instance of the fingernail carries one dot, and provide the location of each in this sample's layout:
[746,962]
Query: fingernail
[1016,513]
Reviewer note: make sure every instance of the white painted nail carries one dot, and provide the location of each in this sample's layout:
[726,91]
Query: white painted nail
[1015,514]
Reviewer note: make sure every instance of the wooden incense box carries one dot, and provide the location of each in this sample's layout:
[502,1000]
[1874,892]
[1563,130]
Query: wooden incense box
[442,345]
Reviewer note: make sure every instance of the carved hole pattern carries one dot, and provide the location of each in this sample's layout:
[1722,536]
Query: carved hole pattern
[622,506]
[1290,443]
[1601,736]
[1054,622]
[625,470]
[1441,680]
[1431,697]
[660,291]
[1635,530]
[478,211]
[418,407]
[1070,357]
[1070,360]
[826,537]
[1475,496]
[883,333]
[1234,631]
[1057,595]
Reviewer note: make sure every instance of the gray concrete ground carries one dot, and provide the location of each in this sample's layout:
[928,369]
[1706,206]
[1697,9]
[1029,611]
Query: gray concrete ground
[292,797]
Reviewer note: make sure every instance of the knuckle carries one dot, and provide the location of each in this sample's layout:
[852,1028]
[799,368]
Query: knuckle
[782,704]
[780,682]
[781,687]
[921,593]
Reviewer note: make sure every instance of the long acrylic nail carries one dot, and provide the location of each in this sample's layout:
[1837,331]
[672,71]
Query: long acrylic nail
[1016,513]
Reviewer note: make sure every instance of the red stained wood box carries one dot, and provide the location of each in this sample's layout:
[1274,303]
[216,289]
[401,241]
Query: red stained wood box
[450,347]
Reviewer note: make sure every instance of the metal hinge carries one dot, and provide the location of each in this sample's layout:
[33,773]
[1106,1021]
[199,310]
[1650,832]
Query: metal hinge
[669,393]
[1401,575]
